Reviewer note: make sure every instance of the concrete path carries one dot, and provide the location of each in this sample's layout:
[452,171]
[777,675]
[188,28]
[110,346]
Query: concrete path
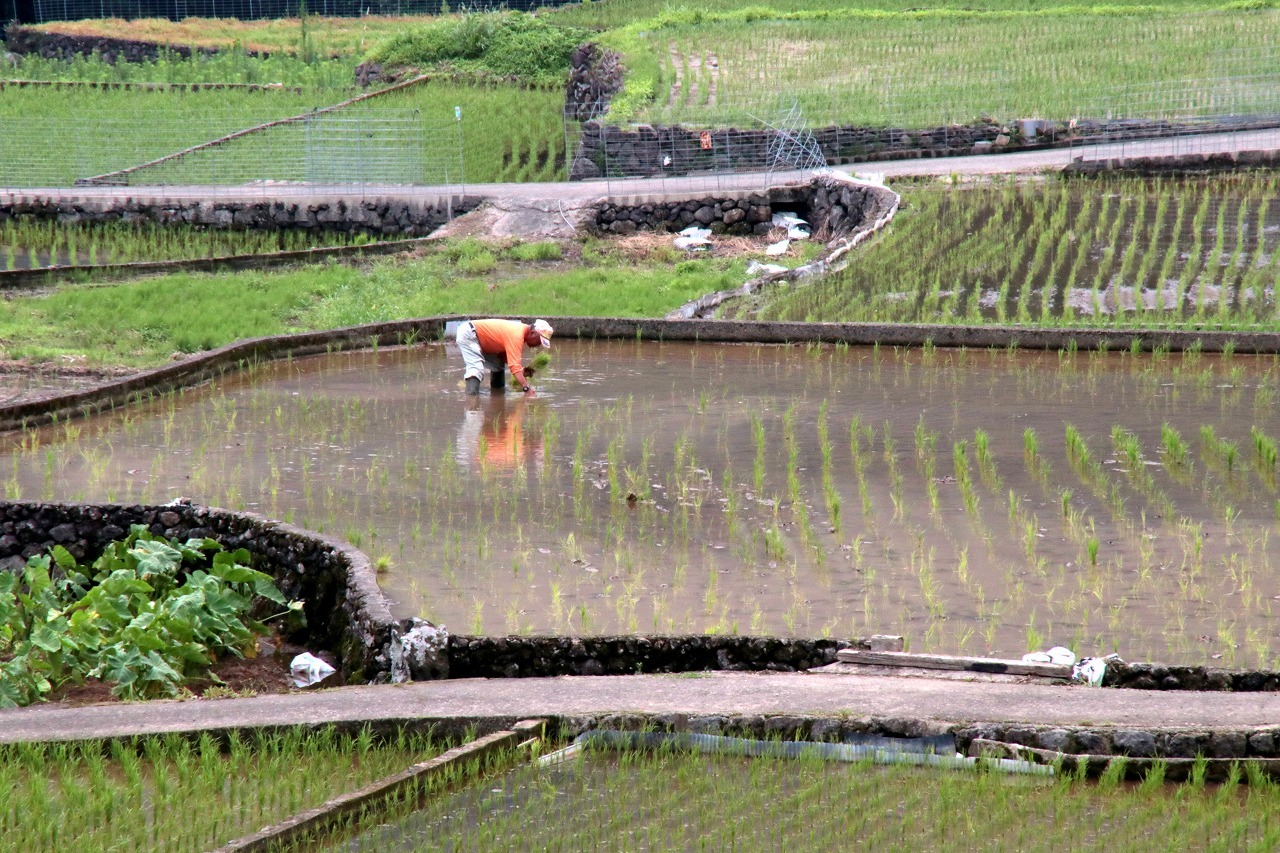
[985,164]
[693,694]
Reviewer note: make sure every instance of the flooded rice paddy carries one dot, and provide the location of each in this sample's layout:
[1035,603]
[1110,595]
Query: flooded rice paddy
[975,501]
[670,800]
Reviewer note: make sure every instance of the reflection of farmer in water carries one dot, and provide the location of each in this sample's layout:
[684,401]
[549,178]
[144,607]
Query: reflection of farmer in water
[495,343]
[494,437]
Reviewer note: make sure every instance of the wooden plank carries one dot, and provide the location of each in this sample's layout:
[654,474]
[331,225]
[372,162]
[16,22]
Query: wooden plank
[953,662]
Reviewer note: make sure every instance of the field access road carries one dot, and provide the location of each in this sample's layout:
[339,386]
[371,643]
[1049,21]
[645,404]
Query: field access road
[1018,162]
[693,694]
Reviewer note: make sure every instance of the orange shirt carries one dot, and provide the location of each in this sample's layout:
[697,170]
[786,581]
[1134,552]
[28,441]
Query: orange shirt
[503,337]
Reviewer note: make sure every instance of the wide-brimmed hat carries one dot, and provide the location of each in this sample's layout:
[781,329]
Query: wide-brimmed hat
[544,330]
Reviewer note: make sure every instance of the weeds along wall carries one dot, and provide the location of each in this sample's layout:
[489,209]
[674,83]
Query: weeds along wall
[345,610]
[319,213]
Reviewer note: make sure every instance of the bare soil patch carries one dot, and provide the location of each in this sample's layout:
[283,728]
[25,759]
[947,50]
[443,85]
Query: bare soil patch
[265,673]
[22,380]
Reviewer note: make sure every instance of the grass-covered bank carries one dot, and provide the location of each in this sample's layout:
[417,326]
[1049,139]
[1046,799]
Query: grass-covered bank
[146,321]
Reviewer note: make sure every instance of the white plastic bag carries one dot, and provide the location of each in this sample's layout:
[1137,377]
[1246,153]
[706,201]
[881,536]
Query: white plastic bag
[307,669]
[757,268]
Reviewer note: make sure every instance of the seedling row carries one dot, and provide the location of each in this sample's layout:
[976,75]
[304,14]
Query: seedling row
[1129,252]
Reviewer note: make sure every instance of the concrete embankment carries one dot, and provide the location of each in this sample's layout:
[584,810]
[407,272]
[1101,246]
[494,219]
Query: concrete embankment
[1070,719]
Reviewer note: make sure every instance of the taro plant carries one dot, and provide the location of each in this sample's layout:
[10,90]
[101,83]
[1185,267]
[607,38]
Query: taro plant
[147,615]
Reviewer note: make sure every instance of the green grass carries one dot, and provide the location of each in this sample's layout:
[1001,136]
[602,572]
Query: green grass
[672,801]
[503,43]
[169,793]
[1065,252]
[145,321]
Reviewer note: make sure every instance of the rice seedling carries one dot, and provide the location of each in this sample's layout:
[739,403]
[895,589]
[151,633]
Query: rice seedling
[173,792]
[677,799]
[1082,278]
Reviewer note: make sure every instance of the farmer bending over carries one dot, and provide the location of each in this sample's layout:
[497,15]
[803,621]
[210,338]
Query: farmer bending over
[491,342]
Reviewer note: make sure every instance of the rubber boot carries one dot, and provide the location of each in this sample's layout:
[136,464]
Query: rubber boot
[473,386]
[497,381]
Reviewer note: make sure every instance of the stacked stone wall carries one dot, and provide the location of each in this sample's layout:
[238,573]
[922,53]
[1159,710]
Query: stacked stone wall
[344,608]
[524,657]
[606,150]
[829,207]
[30,41]
[374,217]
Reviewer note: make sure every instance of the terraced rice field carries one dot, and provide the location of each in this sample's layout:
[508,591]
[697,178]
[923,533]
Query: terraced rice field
[922,69]
[988,502]
[56,136]
[672,801]
[1131,252]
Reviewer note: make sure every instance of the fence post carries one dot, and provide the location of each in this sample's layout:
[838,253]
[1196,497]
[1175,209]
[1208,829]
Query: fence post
[462,165]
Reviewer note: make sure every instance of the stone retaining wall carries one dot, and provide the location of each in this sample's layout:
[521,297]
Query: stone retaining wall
[606,150]
[526,657]
[1180,164]
[1217,745]
[830,207]
[30,41]
[323,213]
[595,76]
[346,612]
[1158,676]
[726,214]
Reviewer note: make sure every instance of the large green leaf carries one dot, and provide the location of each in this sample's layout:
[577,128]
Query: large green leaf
[44,637]
[150,615]
[62,557]
[156,559]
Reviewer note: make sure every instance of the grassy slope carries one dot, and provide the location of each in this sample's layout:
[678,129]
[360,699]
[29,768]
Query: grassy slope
[143,322]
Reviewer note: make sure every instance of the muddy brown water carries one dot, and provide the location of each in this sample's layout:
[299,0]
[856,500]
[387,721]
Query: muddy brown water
[663,487]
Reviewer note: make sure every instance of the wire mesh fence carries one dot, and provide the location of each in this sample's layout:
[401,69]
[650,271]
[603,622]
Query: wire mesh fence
[709,156]
[221,153]
[1177,118]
